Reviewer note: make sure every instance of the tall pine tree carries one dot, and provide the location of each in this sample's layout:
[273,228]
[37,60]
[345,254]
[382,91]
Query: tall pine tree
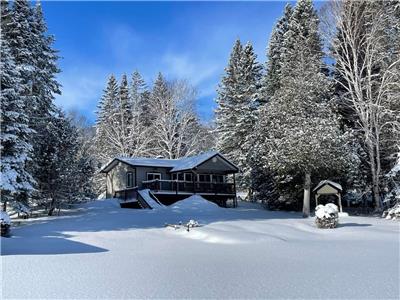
[302,133]
[238,99]
[16,182]
[276,50]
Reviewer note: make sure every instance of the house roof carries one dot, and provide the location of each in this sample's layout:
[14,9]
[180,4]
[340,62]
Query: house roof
[333,184]
[176,165]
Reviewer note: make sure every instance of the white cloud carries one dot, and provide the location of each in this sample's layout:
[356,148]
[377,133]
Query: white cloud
[184,66]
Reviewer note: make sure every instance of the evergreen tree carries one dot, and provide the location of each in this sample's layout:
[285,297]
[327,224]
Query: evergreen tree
[122,115]
[238,99]
[302,132]
[227,92]
[44,84]
[16,182]
[25,30]
[265,183]
[140,141]
[275,53]
[106,143]
[57,184]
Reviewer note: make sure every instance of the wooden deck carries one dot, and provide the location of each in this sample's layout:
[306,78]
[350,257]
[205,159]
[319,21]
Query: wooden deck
[189,188]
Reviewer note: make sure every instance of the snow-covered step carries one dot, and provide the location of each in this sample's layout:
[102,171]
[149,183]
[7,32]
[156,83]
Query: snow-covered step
[151,200]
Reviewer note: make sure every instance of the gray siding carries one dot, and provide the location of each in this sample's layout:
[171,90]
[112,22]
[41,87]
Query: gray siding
[214,166]
[142,174]
[116,178]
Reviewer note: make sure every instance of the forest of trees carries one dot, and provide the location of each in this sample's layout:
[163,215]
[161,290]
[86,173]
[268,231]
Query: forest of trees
[325,104]
[44,159]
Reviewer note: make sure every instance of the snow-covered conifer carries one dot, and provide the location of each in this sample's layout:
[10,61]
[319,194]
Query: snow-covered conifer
[302,132]
[16,182]
[274,54]
[238,99]
[57,184]
[106,142]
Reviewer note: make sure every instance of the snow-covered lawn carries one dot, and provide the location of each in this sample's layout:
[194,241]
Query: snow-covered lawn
[103,251]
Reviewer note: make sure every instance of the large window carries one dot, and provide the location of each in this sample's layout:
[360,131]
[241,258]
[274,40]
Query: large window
[204,178]
[182,176]
[153,176]
[218,178]
[188,177]
[129,179]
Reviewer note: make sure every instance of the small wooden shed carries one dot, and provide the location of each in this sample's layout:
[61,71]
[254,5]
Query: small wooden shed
[328,187]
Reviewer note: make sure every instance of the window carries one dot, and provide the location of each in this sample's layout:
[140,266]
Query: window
[204,177]
[174,176]
[188,177]
[218,178]
[129,179]
[180,176]
[153,176]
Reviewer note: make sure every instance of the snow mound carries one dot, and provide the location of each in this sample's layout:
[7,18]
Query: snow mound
[194,202]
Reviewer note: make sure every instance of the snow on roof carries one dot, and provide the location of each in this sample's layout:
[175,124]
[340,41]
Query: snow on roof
[180,164]
[150,162]
[188,163]
[329,182]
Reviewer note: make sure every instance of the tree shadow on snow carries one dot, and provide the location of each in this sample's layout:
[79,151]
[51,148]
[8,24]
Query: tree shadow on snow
[52,235]
[45,245]
[353,225]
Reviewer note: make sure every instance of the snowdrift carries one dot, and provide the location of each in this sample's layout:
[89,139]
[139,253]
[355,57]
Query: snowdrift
[194,202]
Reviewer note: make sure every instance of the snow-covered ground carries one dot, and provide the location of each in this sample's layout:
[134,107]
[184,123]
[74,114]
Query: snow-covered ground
[103,251]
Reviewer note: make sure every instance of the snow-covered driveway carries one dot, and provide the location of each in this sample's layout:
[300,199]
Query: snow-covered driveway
[103,251]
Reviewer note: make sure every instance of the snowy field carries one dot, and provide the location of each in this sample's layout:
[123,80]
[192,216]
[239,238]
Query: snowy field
[103,251]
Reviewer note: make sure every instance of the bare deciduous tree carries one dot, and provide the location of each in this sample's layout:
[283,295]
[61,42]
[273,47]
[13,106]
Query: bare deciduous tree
[362,38]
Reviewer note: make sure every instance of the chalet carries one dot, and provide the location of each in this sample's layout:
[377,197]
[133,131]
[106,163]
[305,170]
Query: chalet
[138,182]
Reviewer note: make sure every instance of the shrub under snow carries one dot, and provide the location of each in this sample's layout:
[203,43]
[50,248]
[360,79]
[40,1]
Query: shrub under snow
[393,213]
[327,216]
[5,223]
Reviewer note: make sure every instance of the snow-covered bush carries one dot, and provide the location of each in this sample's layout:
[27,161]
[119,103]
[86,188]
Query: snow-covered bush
[5,223]
[327,216]
[23,210]
[392,213]
[392,181]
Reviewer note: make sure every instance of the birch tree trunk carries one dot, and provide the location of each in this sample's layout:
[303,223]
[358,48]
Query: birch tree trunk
[306,199]
[375,175]
[361,34]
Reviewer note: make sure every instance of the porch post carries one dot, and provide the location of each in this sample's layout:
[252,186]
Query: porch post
[234,187]
[106,185]
[194,182]
[340,202]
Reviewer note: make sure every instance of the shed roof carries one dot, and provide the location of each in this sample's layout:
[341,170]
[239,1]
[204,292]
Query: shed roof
[176,165]
[333,184]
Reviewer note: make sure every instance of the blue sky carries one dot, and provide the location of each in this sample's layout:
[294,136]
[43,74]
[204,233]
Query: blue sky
[185,40]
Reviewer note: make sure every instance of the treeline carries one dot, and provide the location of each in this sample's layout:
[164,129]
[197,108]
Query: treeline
[134,120]
[300,119]
[324,105]
[44,160]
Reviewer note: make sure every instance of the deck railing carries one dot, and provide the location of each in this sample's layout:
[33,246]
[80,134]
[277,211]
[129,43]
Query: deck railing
[179,186]
[127,194]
